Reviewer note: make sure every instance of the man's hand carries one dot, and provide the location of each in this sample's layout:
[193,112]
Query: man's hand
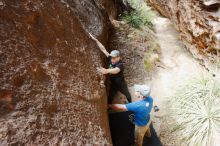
[117,107]
[102,48]
[109,106]
[91,36]
[109,71]
[104,71]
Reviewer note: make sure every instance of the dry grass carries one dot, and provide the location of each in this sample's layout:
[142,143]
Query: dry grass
[152,56]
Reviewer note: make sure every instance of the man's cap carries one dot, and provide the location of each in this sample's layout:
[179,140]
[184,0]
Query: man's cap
[115,53]
[143,89]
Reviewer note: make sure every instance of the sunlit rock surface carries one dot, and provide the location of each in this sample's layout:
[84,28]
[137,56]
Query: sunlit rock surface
[199,24]
[51,93]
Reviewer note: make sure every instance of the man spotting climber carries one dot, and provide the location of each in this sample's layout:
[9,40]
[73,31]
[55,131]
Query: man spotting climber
[115,71]
[141,110]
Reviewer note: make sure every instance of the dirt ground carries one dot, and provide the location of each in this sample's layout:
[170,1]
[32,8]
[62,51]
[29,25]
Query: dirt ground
[175,64]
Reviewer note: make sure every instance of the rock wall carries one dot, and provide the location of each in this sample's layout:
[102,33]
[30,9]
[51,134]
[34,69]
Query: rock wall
[198,22]
[51,93]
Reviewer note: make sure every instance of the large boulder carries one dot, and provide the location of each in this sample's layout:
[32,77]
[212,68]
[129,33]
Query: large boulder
[51,92]
[199,24]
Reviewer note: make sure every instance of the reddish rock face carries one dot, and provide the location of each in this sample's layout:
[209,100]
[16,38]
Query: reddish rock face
[51,93]
[198,22]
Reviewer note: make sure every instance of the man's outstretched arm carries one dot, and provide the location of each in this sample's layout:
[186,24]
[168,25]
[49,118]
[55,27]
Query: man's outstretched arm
[110,70]
[118,107]
[102,48]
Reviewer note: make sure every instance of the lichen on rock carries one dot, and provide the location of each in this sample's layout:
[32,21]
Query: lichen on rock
[48,68]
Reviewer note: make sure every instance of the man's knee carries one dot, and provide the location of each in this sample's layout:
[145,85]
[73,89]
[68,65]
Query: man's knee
[148,133]
[139,139]
[139,136]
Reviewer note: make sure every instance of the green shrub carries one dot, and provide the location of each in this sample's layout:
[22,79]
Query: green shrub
[140,16]
[134,19]
[196,108]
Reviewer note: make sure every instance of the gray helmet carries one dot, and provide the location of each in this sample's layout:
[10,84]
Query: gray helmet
[115,53]
[143,89]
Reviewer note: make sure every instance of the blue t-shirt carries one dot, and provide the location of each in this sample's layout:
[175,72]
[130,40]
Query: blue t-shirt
[141,110]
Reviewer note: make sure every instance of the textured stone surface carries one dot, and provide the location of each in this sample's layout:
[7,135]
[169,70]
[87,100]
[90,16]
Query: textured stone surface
[198,22]
[51,93]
